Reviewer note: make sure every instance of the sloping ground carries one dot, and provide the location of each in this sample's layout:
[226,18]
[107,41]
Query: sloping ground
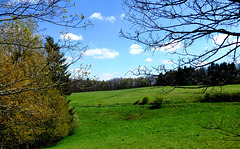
[109,120]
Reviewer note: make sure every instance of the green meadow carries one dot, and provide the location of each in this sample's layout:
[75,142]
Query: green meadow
[108,119]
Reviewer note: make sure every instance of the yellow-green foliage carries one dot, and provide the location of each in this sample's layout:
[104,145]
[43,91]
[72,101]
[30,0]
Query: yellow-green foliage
[32,111]
[157,103]
[60,122]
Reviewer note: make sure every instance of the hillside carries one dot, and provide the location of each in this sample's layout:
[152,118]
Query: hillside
[109,120]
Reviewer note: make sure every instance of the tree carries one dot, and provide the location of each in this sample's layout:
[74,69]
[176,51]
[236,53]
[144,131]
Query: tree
[51,11]
[164,24]
[200,76]
[58,66]
[143,83]
[33,111]
[18,30]
[161,81]
[20,111]
[213,75]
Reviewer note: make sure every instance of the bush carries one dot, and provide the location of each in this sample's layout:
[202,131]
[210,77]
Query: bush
[220,97]
[157,103]
[136,102]
[144,101]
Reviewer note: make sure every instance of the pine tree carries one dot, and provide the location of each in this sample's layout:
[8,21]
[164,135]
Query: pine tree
[58,66]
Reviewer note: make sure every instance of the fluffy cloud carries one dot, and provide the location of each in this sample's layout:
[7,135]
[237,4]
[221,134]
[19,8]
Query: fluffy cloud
[167,62]
[69,58]
[168,47]
[102,53]
[71,36]
[99,16]
[202,63]
[110,19]
[148,60]
[237,62]
[96,15]
[108,76]
[219,39]
[122,16]
[135,49]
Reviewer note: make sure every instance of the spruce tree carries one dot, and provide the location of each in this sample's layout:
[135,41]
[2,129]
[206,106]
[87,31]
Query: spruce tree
[58,66]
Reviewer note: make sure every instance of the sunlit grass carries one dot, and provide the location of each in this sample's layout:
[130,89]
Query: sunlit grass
[109,120]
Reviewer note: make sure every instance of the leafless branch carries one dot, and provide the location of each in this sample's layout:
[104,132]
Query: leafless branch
[162,23]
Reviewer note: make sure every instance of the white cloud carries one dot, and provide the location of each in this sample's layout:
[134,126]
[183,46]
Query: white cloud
[168,47]
[108,76]
[167,62]
[135,49]
[237,62]
[99,16]
[71,36]
[148,60]
[202,63]
[122,16]
[142,68]
[102,53]
[69,58]
[219,39]
[96,15]
[110,19]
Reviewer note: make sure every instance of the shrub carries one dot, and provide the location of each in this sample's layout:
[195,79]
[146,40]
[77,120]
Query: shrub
[136,102]
[157,103]
[144,101]
[220,97]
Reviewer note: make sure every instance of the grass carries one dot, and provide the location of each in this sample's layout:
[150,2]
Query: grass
[116,123]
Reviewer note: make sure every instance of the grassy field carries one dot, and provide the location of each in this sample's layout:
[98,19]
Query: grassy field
[109,120]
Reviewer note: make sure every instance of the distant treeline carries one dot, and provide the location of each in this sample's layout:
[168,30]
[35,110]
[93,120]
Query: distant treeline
[214,74]
[113,84]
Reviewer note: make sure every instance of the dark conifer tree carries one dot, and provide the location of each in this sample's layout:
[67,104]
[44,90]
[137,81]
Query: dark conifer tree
[161,81]
[58,66]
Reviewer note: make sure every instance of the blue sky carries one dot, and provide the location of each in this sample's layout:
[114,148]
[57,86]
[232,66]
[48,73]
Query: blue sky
[109,55]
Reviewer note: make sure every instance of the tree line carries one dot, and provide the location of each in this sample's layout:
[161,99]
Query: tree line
[87,85]
[214,74]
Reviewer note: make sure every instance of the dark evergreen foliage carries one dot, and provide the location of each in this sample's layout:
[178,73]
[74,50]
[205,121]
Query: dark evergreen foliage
[215,74]
[58,66]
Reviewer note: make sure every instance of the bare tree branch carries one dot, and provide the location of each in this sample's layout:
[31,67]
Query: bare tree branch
[163,23]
